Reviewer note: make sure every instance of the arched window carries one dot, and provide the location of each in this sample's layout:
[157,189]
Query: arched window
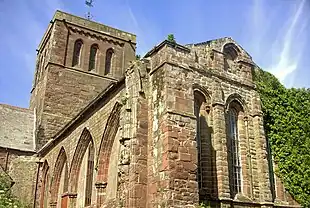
[59,181]
[108,61]
[82,170]
[205,151]
[230,51]
[89,175]
[44,187]
[234,147]
[77,53]
[92,57]
[104,174]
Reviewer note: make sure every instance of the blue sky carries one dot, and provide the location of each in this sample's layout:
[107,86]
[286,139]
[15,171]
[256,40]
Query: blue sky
[276,33]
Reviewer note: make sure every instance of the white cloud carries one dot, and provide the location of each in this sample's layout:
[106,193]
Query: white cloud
[277,41]
[289,58]
[137,29]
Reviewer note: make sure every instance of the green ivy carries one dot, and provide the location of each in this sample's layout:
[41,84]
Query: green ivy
[204,205]
[6,197]
[171,38]
[287,127]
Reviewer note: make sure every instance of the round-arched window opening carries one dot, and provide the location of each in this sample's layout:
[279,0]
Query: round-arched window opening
[77,53]
[93,57]
[230,51]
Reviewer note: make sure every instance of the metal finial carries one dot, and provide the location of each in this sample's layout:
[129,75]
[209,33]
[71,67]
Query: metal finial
[89,3]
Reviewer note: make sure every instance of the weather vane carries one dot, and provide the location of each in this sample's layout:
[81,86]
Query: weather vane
[89,3]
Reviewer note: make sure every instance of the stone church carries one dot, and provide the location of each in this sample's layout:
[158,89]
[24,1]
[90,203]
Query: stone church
[181,126]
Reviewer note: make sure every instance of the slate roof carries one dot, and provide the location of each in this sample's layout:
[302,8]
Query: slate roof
[16,128]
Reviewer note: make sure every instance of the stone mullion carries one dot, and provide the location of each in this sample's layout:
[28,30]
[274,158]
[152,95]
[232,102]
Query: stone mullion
[254,160]
[245,163]
[220,141]
[263,170]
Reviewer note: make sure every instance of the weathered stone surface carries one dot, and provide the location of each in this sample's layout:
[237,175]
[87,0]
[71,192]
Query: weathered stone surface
[23,171]
[61,91]
[136,137]
[16,128]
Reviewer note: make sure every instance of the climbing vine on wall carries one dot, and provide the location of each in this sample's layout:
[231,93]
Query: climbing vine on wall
[6,197]
[287,127]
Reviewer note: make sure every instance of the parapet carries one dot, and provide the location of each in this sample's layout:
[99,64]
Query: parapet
[88,25]
[98,27]
[221,57]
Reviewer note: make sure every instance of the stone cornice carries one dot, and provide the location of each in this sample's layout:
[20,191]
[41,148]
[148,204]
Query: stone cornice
[101,185]
[204,72]
[243,61]
[167,43]
[93,34]
[70,195]
[94,26]
[174,112]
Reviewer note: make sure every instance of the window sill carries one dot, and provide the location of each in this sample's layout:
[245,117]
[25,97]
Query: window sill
[242,198]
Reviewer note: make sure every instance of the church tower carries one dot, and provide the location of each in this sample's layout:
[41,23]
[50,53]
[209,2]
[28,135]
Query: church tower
[76,60]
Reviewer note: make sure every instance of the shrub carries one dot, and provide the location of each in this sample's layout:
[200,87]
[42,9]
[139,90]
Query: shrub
[287,127]
[6,197]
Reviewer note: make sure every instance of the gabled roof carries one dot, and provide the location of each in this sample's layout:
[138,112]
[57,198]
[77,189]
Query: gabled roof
[166,43]
[16,128]
[219,43]
[216,44]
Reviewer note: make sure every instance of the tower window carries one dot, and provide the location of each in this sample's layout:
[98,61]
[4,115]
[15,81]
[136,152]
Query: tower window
[77,53]
[235,151]
[108,61]
[206,164]
[92,57]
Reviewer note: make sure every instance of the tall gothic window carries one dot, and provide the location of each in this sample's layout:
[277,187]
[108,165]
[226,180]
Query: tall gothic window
[44,187]
[233,142]
[199,99]
[92,57]
[89,175]
[77,53]
[108,61]
[66,180]
[205,151]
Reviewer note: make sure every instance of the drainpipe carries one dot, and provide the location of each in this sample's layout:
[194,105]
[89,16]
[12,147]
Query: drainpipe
[6,159]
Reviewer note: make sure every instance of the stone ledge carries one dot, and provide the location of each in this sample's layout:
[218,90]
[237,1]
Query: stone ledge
[60,15]
[202,71]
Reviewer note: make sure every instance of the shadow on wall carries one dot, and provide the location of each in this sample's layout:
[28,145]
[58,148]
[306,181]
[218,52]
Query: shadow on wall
[208,171]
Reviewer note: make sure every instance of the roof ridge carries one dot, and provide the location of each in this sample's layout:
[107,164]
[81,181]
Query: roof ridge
[15,107]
